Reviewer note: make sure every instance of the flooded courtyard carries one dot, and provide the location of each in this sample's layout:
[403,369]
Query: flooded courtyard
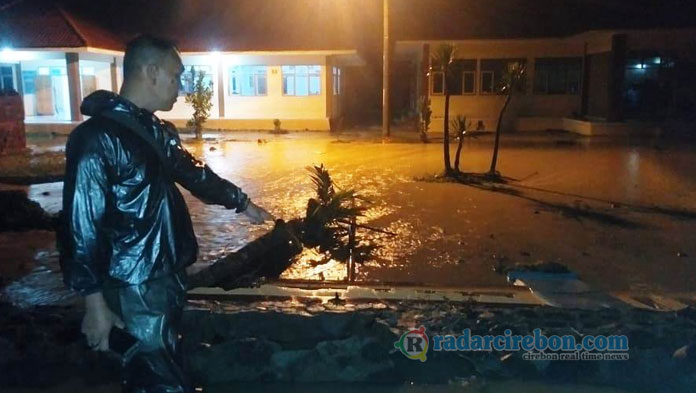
[619,213]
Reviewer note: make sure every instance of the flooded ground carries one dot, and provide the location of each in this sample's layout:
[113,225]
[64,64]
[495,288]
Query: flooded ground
[619,213]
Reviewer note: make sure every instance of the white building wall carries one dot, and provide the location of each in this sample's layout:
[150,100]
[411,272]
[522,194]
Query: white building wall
[240,112]
[102,73]
[259,109]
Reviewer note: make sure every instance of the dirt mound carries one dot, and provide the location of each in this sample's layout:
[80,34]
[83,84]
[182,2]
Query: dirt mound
[19,213]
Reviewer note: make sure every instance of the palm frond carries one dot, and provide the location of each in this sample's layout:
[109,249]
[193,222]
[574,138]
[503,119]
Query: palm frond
[443,57]
[323,183]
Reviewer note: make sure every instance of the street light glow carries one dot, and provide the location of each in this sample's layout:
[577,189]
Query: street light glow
[6,54]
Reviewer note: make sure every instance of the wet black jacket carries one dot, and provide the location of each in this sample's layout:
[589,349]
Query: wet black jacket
[123,216]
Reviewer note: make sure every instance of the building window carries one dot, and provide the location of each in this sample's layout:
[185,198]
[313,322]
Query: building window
[463,76]
[487,82]
[301,80]
[438,83]
[337,81]
[559,75]
[58,71]
[460,78]
[188,83]
[28,78]
[6,78]
[249,80]
[468,82]
[493,72]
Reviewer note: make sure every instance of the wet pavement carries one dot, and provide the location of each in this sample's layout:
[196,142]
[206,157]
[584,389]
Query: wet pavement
[621,214]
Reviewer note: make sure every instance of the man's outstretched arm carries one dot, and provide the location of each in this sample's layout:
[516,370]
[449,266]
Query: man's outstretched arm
[207,186]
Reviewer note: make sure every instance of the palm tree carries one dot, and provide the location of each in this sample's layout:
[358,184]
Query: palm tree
[443,60]
[513,81]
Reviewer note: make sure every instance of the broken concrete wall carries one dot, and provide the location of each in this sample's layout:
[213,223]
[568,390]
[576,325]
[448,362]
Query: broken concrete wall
[12,135]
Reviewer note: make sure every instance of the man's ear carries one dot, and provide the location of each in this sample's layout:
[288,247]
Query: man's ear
[151,72]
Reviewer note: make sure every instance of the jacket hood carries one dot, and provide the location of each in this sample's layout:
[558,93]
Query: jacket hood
[104,100]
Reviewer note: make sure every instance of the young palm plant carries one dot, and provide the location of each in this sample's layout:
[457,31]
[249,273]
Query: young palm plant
[460,124]
[331,217]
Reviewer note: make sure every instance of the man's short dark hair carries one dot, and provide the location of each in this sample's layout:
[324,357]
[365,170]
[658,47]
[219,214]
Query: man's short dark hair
[143,50]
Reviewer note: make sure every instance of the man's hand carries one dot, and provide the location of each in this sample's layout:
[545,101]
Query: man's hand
[257,214]
[98,322]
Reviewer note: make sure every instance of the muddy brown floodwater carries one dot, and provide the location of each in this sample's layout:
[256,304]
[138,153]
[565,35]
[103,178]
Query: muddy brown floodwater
[618,213]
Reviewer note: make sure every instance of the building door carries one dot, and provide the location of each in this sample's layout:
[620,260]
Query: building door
[648,85]
[61,95]
[43,85]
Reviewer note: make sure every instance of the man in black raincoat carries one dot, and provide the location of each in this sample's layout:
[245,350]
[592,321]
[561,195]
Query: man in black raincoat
[126,234]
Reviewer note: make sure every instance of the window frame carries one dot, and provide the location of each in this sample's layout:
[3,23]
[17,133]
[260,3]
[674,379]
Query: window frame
[432,83]
[11,75]
[492,84]
[473,79]
[566,69]
[294,74]
[256,75]
[197,67]
[28,81]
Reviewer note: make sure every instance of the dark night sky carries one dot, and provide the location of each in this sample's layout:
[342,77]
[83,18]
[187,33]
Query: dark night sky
[357,23]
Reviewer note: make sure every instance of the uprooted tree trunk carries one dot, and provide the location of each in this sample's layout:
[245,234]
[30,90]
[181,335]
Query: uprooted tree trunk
[267,257]
[330,218]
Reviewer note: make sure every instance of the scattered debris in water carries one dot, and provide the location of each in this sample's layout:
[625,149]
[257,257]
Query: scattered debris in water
[329,226]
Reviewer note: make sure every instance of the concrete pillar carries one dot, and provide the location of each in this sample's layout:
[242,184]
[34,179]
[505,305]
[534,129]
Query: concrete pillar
[18,78]
[221,90]
[72,60]
[338,98]
[585,83]
[617,67]
[328,78]
[114,75]
[386,60]
[425,69]
[413,91]
[477,82]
